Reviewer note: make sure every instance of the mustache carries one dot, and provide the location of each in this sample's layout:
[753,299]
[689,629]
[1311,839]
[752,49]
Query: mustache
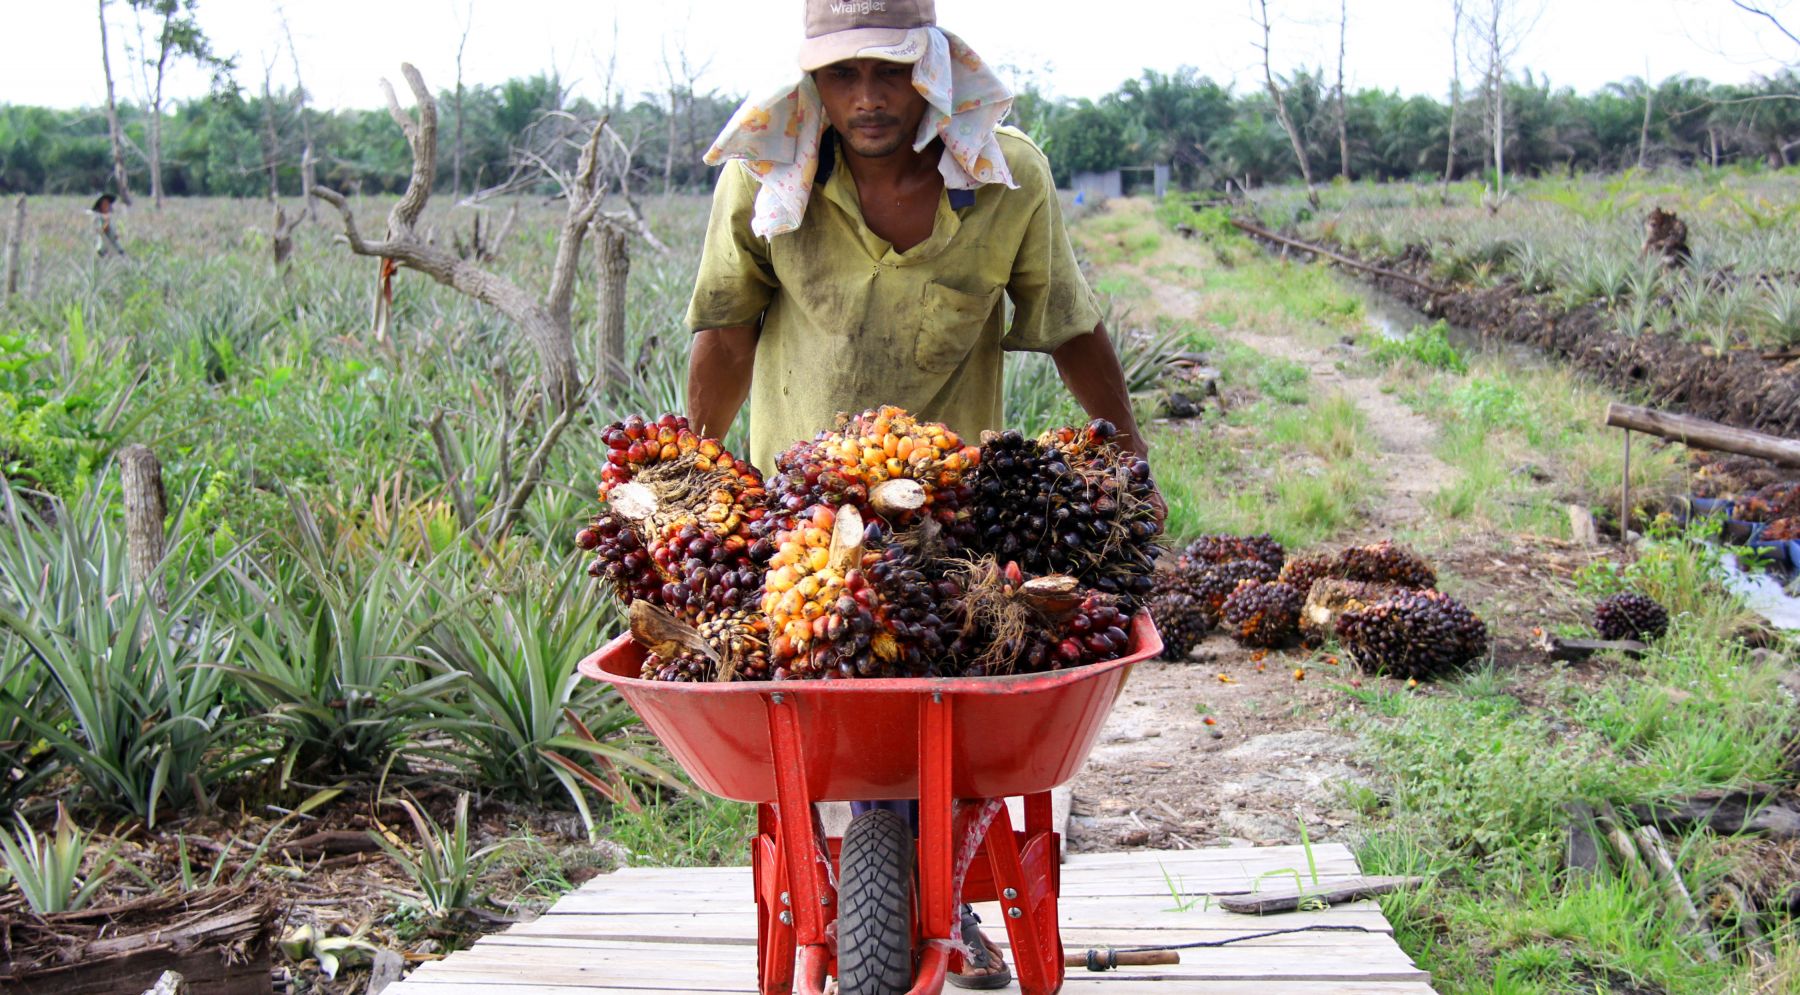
[874,121]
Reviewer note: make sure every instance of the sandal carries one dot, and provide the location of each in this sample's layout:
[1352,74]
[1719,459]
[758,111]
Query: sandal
[982,956]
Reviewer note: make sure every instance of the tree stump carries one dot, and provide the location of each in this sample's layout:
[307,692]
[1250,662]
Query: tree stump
[615,269]
[15,245]
[145,537]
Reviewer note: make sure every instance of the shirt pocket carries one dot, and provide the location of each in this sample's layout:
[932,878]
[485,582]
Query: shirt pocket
[950,323]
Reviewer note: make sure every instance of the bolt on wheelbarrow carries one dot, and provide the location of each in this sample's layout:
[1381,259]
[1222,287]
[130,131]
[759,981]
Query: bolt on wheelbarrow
[878,909]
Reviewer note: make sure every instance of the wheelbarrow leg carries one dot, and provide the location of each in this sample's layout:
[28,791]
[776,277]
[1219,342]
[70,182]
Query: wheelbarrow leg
[812,900]
[774,938]
[1027,884]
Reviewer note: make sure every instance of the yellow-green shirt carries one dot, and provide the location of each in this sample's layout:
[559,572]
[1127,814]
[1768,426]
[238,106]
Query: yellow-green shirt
[848,323]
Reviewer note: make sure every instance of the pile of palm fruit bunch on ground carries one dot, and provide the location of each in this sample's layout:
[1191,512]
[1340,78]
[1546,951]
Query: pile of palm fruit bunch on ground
[885,546]
[1378,601]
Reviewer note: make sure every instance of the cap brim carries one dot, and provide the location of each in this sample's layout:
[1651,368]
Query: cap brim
[859,43]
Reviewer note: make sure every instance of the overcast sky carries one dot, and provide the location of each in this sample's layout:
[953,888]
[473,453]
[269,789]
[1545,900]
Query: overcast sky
[49,48]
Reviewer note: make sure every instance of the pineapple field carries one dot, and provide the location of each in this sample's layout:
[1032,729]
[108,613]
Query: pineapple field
[347,693]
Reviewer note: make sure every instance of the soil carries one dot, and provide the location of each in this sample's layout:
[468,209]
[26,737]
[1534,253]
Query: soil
[1278,750]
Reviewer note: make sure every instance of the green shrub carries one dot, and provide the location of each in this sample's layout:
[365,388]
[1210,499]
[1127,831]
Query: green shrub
[1427,345]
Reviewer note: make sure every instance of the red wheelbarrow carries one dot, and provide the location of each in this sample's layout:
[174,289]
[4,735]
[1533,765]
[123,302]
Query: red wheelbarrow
[872,908]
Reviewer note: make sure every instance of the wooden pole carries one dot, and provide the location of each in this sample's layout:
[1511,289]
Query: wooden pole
[1703,434]
[1625,494]
[145,537]
[615,272]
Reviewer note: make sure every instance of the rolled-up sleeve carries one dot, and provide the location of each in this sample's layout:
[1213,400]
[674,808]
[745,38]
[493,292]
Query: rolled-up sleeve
[736,279]
[1051,300]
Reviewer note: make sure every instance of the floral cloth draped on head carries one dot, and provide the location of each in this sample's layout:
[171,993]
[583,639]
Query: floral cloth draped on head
[777,137]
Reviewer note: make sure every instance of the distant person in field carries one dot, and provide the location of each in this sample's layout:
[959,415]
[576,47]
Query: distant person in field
[106,239]
[872,222]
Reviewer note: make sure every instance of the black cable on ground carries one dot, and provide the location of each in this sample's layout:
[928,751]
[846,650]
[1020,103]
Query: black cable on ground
[1106,960]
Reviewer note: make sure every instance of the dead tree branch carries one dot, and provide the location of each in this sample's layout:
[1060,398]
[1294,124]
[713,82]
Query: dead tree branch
[1281,111]
[545,322]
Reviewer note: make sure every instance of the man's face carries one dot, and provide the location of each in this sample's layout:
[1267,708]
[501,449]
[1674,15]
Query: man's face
[872,104]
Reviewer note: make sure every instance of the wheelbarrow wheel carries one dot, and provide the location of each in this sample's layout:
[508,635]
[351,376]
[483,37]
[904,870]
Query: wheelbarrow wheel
[875,898]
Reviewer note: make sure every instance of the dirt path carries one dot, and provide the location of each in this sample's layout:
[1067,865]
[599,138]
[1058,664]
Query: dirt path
[1273,754]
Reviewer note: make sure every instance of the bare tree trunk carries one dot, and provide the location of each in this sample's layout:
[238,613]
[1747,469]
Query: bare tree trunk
[1497,82]
[1343,121]
[1287,123]
[1644,131]
[1456,18]
[307,162]
[146,538]
[1712,145]
[15,246]
[120,178]
[615,270]
[456,159]
[155,132]
[271,142]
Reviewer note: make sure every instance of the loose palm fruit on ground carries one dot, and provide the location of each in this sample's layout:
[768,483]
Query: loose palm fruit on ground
[1630,616]
[1213,583]
[1182,620]
[1069,503]
[1263,613]
[1330,598]
[1385,563]
[1225,548]
[1413,634]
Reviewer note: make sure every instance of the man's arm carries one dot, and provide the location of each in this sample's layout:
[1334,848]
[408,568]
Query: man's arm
[1090,369]
[718,382]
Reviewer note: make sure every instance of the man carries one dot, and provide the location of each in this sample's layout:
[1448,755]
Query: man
[858,253]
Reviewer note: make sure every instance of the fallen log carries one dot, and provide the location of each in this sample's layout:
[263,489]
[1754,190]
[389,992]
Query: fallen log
[1340,259]
[1336,893]
[1726,813]
[1702,434]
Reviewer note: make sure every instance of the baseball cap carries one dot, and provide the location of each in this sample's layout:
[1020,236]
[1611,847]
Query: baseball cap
[864,29]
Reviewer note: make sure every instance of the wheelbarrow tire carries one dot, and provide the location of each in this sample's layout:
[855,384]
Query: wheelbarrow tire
[875,899]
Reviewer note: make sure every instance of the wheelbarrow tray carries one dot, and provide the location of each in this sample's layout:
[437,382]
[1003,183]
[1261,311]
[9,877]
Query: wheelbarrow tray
[1016,735]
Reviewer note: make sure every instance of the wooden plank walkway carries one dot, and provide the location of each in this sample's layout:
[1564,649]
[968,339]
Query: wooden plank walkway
[650,930]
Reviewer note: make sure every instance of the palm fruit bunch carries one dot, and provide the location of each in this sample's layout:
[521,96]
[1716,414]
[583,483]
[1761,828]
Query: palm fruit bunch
[679,522]
[1181,618]
[1302,572]
[1630,616]
[1328,598]
[1385,563]
[732,645]
[1263,613]
[1069,503]
[1214,549]
[1013,624]
[889,465]
[1212,584]
[1413,634]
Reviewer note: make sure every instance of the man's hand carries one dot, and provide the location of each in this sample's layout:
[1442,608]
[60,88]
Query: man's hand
[719,370]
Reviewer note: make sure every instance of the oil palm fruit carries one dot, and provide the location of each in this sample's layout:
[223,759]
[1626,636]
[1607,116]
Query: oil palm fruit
[1630,616]
[1181,619]
[1069,503]
[1330,598]
[1225,548]
[1385,563]
[1301,572]
[1413,634]
[1263,613]
[1213,583]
